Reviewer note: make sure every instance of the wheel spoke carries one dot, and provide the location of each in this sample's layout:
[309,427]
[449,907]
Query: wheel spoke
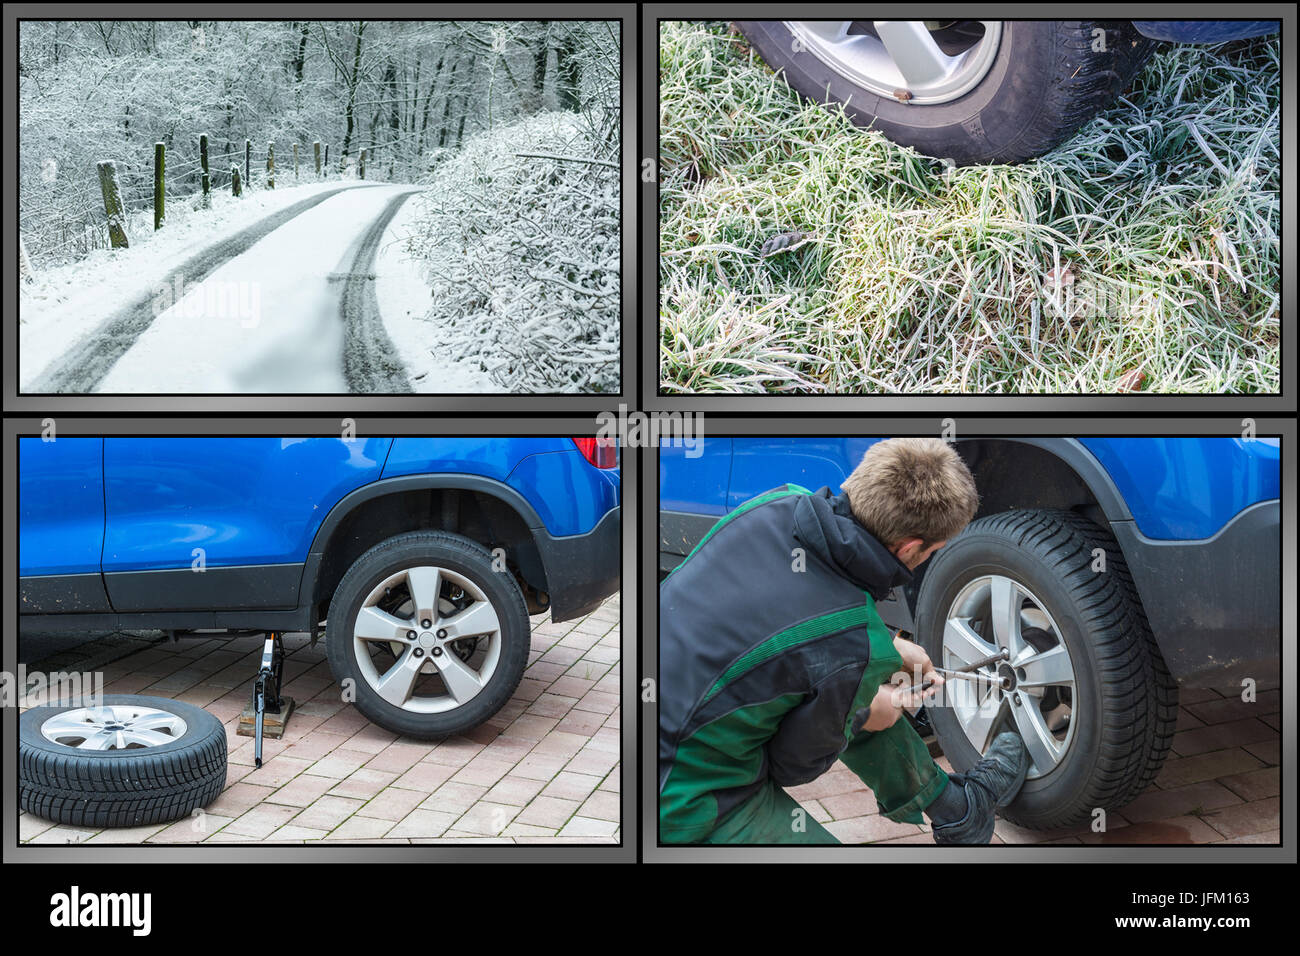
[1033,730]
[913,50]
[960,640]
[983,720]
[1005,602]
[150,738]
[155,721]
[1051,668]
[425,585]
[398,681]
[462,680]
[61,725]
[832,31]
[374,624]
[479,618]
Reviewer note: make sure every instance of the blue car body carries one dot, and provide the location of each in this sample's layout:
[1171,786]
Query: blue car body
[1197,518]
[111,530]
[1205,31]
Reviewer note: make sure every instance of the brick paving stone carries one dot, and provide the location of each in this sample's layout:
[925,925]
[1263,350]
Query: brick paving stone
[261,821]
[514,790]
[125,835]
[371,739]
[1233,733]
[1234,708]
[487,819]
[454,753]
[483,771]
[234,800]
[327,812]
[1220,763]
[868,829]
[296,833]
[1247,818]
[338,764]
[29,825]
[399,757]
[560,743]
[62,834]
[540,766]
[1269,751]
[425,776]
[358,828]
[856,803]
[393,804]
[592,761]
[1183,829]
[362,784]
[302,790]
[278,772]
[1272,837]
[424,823]
[602,806]
[508,747]
[571,786]
[316,745]
[598,702]
[192,829]
[1159,804]
[454,797]
[1255,784]
[586,826]
[548,812]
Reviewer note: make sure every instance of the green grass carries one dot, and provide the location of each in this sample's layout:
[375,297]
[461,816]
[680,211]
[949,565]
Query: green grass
[1162,216]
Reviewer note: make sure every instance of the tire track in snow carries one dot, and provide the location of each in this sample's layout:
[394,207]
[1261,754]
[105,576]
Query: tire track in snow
[84,365]
[370,361]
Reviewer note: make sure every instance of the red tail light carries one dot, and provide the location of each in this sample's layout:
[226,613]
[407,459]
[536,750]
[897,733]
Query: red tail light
[601,452]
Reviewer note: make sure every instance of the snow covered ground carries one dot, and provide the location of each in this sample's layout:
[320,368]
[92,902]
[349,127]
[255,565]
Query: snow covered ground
[433,364]
[266,321]
[65,303]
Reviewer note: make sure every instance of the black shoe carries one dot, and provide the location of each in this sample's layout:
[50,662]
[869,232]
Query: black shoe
[991,783]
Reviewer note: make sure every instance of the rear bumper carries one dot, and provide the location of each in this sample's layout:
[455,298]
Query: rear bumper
[583,569]
[1215,605]
[1205,31]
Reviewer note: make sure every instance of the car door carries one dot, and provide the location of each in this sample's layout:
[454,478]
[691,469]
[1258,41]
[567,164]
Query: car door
[219,523]
[60,525]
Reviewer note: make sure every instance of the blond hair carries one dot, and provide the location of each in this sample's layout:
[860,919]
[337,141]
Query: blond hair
[912,488]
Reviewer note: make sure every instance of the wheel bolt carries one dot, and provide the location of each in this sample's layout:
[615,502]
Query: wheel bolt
[1015,699]
[426,623]
[410,635]
[418,652]
[442,632]
[437,652]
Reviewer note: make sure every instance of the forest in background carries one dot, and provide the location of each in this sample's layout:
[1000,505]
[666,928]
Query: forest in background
[407,92]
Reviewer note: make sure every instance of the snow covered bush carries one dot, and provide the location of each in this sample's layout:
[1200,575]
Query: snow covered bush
[519,234]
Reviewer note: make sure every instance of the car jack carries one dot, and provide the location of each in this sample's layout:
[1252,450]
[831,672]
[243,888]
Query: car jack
[269,712]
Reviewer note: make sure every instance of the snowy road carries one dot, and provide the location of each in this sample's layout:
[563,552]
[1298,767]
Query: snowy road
[286,305]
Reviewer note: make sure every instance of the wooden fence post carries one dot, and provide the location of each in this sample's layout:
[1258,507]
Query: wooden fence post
[270,165]
[363,164]
[327,157]
[203,161]
[113,205]
[159,192]
[316,149]
[295,162]
[234,181]
[248,162]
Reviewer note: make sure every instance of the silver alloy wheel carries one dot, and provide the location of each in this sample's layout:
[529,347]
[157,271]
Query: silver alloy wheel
[1040,700]
[902,55]
[424,629]
[118,727]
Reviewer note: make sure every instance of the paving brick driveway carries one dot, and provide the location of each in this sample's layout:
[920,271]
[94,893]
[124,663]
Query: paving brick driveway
[545,769]
[1220,784]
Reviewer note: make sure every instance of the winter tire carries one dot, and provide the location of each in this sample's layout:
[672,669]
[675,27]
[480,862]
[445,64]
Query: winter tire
[1085,686]
[120,761]
[975,91]
[430,634]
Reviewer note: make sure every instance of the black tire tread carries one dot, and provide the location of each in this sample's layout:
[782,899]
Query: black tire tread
[1139,698]
[146,788]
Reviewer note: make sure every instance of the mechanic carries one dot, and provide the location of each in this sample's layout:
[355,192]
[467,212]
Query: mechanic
[770,647]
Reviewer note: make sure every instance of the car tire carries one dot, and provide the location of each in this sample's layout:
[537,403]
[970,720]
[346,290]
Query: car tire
[1047,79]
[133,783]
[1074,592]
[443,698]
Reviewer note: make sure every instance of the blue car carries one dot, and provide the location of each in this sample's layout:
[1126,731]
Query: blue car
[1133,565]
[974,91]
[419,559]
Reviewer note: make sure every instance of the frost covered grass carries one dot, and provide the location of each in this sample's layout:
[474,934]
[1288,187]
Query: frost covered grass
[519,231]
[1141,254]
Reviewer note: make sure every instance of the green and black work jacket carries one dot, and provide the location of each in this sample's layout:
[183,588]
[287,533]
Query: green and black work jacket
[769,642]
